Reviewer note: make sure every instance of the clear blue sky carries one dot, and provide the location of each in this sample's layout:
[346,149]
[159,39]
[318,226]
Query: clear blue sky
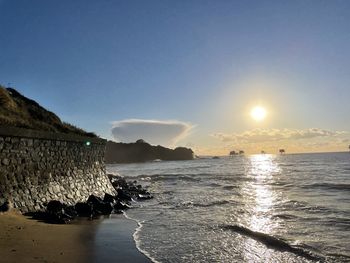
[204,63]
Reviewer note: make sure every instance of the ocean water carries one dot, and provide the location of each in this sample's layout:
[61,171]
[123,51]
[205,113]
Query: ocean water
[258,208]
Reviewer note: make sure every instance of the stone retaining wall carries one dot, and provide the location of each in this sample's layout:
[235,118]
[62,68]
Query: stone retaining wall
[36,167]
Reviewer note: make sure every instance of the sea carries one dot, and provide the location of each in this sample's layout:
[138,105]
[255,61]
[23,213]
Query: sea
[249,208]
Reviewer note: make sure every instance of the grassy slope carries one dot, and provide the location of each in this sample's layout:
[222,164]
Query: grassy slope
[19,111]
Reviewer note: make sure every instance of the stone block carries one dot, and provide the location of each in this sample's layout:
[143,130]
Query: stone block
[5,161]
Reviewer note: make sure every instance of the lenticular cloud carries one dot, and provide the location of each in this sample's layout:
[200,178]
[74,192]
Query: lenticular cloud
[152,131]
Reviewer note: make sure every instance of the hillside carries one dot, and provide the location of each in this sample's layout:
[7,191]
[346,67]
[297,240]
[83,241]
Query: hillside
[141,151]
[17,110]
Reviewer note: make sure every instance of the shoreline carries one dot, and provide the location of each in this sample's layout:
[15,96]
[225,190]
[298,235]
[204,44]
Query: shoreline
[114,241]
[137,243]
[102,240]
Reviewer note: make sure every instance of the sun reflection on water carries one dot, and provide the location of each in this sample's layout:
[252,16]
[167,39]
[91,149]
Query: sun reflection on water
[261,171]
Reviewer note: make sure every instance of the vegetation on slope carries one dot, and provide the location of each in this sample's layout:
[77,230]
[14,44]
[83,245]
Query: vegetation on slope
[18,111]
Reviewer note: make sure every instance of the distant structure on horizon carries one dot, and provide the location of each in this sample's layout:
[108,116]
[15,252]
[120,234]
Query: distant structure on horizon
[240,152]
[282,151]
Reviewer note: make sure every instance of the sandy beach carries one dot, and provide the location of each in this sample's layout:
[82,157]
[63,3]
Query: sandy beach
[26,240]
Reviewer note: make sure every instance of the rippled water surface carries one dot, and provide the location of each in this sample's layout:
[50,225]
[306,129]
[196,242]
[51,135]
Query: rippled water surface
[259,208]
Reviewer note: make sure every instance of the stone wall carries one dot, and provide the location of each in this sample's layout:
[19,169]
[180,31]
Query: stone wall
[36,167]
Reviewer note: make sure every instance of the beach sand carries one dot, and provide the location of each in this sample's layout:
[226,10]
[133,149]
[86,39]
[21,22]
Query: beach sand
[108,240]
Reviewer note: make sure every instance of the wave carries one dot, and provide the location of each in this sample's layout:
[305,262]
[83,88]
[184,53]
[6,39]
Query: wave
[273,242]
[294,205]
[167,177]
[230,187]
[215,203]
[137,239]
[193,177]
[213,185]
[192,204]
[328,186]
[285,216]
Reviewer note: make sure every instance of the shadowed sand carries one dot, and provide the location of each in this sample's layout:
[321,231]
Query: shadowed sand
[26,240]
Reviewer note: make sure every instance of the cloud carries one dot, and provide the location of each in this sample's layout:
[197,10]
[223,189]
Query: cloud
[153,131]
[269,135]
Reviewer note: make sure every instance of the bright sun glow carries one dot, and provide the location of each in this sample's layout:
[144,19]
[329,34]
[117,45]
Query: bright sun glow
[258,113]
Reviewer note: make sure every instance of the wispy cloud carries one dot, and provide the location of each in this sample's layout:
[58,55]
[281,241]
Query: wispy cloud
[161,132]
[269,135]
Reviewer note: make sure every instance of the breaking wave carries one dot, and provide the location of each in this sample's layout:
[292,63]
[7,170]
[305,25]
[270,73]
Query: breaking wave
[273,242]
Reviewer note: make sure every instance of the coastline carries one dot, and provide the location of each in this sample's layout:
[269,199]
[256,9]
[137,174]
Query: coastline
[106,240]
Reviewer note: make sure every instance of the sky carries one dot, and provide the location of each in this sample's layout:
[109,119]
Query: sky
[186,73]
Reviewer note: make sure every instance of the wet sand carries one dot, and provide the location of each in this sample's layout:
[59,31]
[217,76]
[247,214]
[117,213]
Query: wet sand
[108,240]
[114,241]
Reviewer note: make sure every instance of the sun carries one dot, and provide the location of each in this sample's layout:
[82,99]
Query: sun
[258,113]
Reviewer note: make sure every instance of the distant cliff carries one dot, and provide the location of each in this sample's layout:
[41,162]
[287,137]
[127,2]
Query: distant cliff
[19,111]
[142,151]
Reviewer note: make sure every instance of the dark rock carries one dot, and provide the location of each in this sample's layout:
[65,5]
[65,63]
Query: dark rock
[121,206]
[144,192]
[70,211]
[57,219]
[94,199]
[146,196]
[49,217]
[103,208]
[58,213]
[109,198]
[100,207]
[54,207]
[123,195]
[6,206]
[120,183]
[84,209]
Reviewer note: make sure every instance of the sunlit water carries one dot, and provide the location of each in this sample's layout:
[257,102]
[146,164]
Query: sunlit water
[303,200]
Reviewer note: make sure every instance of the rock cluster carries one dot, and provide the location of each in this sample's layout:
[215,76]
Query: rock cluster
[128,190]
[60,213]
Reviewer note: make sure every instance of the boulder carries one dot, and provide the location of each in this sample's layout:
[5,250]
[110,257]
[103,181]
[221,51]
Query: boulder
[99,206]
[54,207]
[83,209]
[6,206]
[123,194]
[70,211]
[103,209]
[109,198]
[93,199]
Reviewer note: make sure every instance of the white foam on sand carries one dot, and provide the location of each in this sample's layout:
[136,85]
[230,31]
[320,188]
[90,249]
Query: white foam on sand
[137,239]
